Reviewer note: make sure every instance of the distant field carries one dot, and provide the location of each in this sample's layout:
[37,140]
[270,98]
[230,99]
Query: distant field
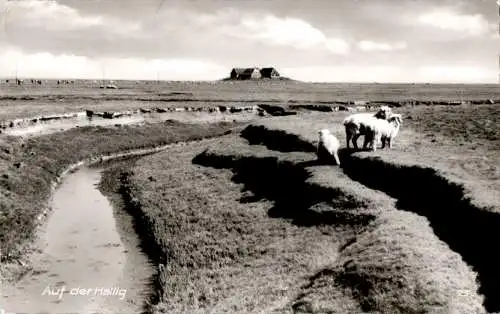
[31,100]
[262,90]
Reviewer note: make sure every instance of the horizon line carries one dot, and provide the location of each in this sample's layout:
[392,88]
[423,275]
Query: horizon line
[250,80]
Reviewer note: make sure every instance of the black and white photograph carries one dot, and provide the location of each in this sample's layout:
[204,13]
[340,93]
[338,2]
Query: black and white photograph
[249,156]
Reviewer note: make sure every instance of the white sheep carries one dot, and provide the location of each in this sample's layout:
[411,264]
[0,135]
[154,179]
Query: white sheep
[380,130]
[354,127]
[328,145]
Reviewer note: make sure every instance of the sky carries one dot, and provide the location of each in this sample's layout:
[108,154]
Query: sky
[436,41]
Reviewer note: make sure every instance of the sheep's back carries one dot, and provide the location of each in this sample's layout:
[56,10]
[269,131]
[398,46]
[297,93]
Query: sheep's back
[329,142]
[377,126]
[358,118]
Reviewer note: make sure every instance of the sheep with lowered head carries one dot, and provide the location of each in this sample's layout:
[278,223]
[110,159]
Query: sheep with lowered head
[328,146]
[380,130]
[354,124]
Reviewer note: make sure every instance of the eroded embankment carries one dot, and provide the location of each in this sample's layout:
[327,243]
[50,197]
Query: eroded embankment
[400,251]
[143,225]
[468,229]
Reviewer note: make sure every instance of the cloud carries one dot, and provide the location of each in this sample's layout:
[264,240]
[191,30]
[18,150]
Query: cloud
[52,16]
[292,32]
[39,13]
[368,45]
[325,41]
[47,65]
[270,30]
[474,25]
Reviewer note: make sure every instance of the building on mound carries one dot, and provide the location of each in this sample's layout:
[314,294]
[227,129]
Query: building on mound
[269,73]
[253,73]
[245,73]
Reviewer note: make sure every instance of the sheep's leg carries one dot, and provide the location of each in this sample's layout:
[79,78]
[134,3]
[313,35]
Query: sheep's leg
[390,142]
[375,141]
[355,140]
[383,141]
[336,156]
[370,141]
[367,141]
[322,153]
[348,137]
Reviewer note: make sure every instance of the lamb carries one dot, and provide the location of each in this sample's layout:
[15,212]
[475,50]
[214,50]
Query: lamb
[328,146]
[382,130]
[354,126]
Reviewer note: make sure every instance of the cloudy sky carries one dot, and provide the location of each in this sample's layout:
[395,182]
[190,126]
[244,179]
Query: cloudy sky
[311,40]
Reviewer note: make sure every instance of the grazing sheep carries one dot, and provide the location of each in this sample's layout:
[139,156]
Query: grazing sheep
[354,126]
[380,130]
[328,146]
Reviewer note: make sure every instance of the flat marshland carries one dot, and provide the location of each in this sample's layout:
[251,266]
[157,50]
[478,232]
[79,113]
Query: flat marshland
[33,100]
[251,222]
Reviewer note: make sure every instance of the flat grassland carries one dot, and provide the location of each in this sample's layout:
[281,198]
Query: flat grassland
[250,222]
[33,100]
[253,223]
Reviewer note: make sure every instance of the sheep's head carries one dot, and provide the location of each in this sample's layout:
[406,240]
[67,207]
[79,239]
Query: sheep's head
[384,112]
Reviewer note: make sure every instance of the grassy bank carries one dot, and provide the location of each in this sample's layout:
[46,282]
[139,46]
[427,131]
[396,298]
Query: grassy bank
[219,253]
[29,167]
[250,228]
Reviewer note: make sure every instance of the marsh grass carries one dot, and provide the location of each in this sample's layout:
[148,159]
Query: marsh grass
[252,187]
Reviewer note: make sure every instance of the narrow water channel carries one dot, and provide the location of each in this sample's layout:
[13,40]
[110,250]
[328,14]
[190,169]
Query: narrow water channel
[89,262]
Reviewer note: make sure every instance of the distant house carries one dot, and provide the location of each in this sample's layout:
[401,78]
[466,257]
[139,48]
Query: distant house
[245,73]
[269,73]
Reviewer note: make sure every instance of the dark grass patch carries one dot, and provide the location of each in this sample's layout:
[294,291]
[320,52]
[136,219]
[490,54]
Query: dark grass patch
[284,183]
[276,139]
